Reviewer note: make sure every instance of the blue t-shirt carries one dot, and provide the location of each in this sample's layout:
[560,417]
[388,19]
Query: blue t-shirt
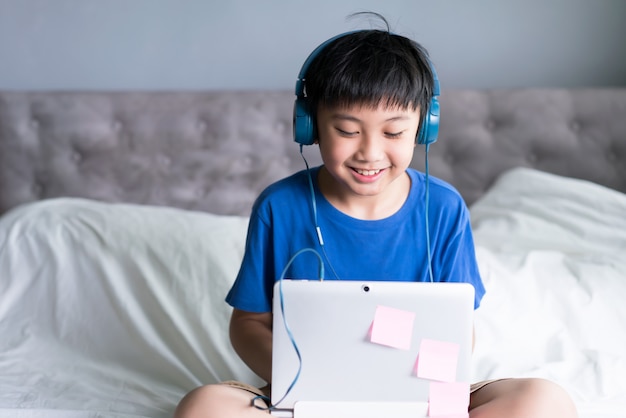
[394,249]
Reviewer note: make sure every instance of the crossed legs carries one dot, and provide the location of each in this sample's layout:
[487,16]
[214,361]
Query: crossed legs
[510,398]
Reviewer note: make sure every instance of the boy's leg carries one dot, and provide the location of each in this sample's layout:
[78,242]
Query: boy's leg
[511,398]
[521,398]
[225,400]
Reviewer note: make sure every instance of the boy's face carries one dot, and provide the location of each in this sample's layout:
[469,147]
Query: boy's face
[365,150]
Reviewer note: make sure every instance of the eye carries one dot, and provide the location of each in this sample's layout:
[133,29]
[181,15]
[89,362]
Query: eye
[346,133]
[394,135]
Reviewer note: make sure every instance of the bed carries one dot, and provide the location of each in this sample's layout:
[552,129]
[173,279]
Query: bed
[123,218]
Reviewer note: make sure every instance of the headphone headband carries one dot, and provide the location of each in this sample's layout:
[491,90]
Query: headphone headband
[311,58]
[304,131]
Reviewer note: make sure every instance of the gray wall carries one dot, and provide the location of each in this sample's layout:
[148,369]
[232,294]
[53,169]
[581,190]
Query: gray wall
[238,44]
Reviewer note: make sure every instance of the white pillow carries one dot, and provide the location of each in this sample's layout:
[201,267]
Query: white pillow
[547,211]
[98,291]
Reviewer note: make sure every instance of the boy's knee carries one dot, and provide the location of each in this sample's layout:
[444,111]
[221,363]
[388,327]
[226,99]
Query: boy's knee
[218,401]
[200,402]
[541,388]
[548,396]
[522,398]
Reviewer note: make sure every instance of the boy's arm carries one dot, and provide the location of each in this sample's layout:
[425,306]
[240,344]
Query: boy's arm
[251,337]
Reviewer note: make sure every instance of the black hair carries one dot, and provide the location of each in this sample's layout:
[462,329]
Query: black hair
[371,68]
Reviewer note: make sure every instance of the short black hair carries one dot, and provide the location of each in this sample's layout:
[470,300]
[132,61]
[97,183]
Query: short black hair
[371,68]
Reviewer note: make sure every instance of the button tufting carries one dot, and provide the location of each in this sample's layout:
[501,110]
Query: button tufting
[37,189]
[532,158]
[164,160]
[281,127]
[490,125]
[611,156]
[575,126]
[117,126]
[34,124]
[202,126]
[76,157]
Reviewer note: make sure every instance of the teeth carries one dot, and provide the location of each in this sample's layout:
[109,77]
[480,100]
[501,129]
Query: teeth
[367,172]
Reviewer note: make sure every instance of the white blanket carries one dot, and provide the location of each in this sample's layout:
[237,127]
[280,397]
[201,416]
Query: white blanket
[552,253]
[118,310]
[113,310]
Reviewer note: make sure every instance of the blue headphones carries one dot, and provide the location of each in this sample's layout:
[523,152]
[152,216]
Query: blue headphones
[304,125]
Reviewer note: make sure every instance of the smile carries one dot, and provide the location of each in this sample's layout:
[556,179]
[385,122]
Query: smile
[367,172]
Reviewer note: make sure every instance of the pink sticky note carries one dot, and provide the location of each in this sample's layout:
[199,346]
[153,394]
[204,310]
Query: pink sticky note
[450,400]
[437,360]
[392,327]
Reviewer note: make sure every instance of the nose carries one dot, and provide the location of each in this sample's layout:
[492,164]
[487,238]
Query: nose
[371,148]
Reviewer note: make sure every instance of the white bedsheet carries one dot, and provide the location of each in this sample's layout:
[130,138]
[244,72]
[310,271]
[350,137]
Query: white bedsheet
[117,310]
[113,310]
[552,253]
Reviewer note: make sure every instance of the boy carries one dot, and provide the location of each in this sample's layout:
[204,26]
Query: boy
[368,95]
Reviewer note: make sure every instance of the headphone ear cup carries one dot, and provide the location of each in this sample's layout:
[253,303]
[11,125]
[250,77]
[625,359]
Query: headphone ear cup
[303,124]
[430,126]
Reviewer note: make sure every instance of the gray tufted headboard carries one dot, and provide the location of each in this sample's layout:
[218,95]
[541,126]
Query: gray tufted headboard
[215,151]
[579,133]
